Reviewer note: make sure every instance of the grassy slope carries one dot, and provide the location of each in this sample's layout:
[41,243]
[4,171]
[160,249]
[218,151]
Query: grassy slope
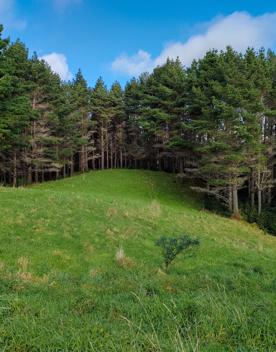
[62,289]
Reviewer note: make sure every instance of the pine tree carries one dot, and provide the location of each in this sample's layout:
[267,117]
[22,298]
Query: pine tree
[16,110]
[117,139]
[43,154]
[101,120]
[4,92]
[135,143]
[80,108]
[215,103]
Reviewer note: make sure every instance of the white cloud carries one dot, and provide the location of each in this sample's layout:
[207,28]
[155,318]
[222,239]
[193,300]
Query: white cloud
[133,65]
[8,15]
[61,5]
[240,30]
[58,63]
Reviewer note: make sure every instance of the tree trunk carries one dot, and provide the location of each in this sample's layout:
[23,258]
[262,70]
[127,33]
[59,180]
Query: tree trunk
[252,198]
[81,161]
[121,158]
[14,175]
[115,159]
[236,212]
[107,149]
[29,177]
[111,154]
[93,159]
[252,191]
[125,157]
[72,166]
[259,193]
[102,148]
[259,201]
[269,196]
[36,175]
[85,158]
[230,201]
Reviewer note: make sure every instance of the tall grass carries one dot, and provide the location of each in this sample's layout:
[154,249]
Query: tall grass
[80,270]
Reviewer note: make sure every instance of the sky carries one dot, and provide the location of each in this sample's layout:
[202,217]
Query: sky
[120,39]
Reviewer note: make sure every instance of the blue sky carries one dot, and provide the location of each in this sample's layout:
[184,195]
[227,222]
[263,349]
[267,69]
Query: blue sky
[120,39]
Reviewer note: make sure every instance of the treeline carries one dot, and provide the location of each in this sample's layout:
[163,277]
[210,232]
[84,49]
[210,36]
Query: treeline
[214,122]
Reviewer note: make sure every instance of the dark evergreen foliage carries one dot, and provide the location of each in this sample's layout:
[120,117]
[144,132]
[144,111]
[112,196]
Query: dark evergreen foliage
[171,247]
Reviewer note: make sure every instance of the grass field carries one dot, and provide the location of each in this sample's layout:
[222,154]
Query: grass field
[80,270]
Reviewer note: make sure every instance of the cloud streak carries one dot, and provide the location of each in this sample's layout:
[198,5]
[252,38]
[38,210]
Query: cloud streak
[240,30]
[61,5]
[59,65]
[8,15]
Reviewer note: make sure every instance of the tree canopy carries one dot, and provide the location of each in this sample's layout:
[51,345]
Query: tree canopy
[213,122]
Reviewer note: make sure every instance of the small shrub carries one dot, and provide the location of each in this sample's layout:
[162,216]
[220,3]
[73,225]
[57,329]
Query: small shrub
[171,247]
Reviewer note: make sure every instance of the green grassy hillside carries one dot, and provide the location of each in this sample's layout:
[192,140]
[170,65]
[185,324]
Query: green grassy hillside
[63,288]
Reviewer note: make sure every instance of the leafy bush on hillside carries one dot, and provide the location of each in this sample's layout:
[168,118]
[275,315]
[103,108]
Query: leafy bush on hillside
[171,247]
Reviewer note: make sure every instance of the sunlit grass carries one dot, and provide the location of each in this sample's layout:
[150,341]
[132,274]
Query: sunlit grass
[80,270]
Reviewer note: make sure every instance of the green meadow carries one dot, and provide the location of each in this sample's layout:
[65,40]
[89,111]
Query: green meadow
[80,270]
